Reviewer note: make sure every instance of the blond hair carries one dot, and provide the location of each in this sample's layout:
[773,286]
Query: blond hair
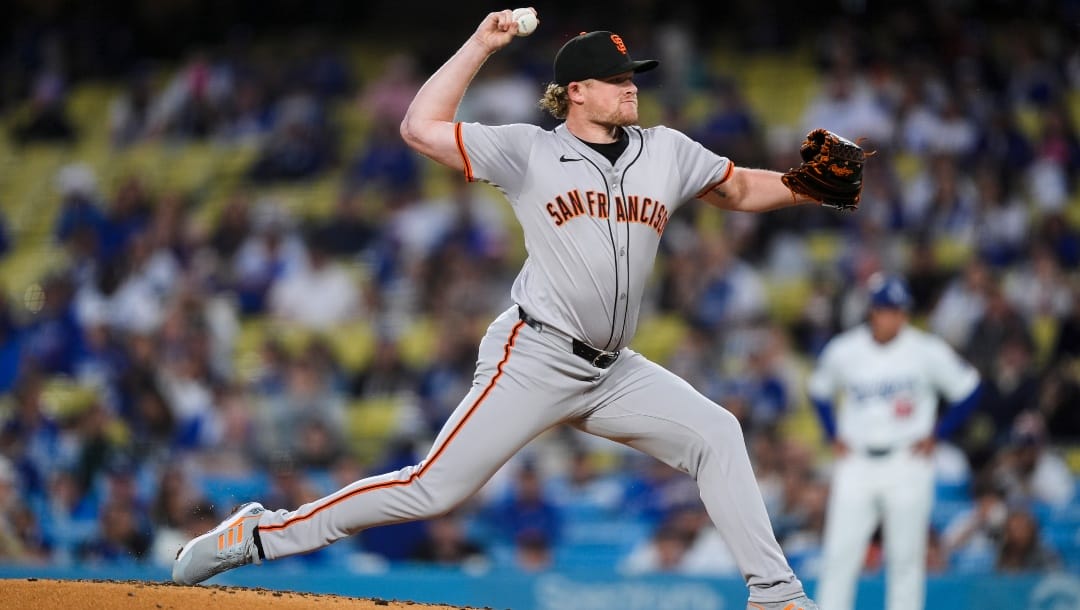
[555,100]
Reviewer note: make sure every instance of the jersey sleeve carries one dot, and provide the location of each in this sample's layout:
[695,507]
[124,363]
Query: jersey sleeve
[496,154]
[701,169]
[824,380]
[951,374]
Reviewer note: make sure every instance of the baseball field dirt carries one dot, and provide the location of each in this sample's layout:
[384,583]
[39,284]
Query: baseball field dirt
[33,593]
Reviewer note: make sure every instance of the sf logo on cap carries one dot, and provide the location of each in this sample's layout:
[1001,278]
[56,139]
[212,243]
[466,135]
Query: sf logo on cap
[619,43]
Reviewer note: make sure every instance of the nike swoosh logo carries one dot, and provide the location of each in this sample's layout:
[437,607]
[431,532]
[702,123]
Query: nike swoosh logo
[566,159]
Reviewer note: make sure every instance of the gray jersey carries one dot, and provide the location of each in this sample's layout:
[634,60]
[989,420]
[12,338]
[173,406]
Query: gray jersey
[591,228]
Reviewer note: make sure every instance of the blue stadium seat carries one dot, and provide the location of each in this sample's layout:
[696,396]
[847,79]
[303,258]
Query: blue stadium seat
[227,491]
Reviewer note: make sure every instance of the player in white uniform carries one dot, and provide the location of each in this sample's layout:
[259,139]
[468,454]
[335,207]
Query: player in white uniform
[593,197]
[888,377]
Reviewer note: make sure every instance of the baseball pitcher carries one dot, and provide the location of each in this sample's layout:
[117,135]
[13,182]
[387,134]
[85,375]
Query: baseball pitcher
[593,197]
[887,377]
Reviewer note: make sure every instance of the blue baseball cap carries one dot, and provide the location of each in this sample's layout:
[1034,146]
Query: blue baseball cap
[889,292]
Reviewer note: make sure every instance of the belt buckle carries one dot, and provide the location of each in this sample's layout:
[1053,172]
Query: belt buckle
[604,359]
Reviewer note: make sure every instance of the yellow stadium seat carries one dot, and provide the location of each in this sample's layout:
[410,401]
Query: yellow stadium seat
[418,342]
[824,248]
[1072,458]
[1044,331]
[659,336]
[951,254]
[787,298]
[64,398]
[370,424]
[353,344]
[1028,120]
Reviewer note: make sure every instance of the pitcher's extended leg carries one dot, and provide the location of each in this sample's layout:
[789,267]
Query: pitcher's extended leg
[655,411]
[504,410]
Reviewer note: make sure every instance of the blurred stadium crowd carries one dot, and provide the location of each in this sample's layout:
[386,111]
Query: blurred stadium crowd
[225,278]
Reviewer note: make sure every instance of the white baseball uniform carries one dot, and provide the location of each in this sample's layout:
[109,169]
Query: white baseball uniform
[888,399]
[560,355]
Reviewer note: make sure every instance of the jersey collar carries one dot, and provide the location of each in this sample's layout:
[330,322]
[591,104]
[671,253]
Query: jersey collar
[633,148]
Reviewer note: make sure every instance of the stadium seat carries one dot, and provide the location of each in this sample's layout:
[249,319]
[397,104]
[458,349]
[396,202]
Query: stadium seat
[659,336]
[225,491]
[786,298]
[353,344]
[370,424]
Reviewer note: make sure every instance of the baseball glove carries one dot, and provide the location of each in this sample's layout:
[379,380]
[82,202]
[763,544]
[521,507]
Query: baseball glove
[831,171]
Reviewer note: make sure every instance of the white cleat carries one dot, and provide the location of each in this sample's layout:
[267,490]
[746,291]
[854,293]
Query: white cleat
[229,545]
[799,603]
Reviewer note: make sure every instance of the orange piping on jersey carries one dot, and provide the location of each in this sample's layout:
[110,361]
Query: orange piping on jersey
[727,174]
[464,155]
[427,463]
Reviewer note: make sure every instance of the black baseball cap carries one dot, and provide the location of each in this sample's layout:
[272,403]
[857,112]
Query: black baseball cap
[596,55]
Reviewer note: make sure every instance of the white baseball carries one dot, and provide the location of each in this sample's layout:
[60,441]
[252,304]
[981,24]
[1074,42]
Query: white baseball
[526,21]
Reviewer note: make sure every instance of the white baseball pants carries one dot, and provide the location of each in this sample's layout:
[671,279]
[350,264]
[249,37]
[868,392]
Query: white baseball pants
[525,383]
[895,491]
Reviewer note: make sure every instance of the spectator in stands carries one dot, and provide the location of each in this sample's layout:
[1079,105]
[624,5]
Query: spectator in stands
[189,106]
[1038,287]
[11,546]
[80,216]
[387,375]
[1003,225]
[763,381]
[532,552]
[385,99]
[664,552]
[308,399]
[584,489]
[11,347]
[1029,470]
[317,296]
[384,163]
[847,106]
[300,145]
[245,117]
[119,539]
[1063,239]
[447,544]
[526,507]
[129,112]
[804,537]
[731,127]
[347,232]
[231,448]
[271,251]
[169,514]
[1013,387]
[1021,548]
[233,226]
[47,120]
[447,374]
[729,290]
[501,95]
[962,304]
[971,538]
[998,323]
[30,437]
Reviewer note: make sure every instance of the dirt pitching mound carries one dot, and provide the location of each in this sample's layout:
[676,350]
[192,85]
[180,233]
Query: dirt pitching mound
[107,594]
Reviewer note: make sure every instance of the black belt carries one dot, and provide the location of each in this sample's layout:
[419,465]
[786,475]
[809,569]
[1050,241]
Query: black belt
[878,452]
[596,357]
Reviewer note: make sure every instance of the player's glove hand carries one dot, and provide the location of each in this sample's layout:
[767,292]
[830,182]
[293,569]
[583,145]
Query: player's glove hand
[831,171]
